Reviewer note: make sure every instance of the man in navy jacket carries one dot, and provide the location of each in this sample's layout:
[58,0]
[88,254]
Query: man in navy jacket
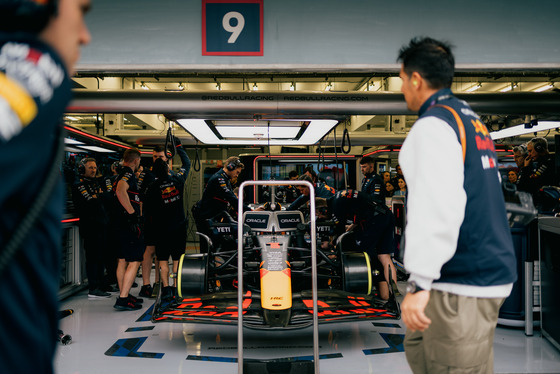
[458,247]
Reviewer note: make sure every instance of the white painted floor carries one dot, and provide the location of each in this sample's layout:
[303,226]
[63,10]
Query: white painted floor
[105,340]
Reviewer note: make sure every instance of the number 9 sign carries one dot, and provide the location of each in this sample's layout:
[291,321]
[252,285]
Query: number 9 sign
[232,27]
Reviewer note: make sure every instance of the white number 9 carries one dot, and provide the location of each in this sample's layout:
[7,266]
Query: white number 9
[235,30]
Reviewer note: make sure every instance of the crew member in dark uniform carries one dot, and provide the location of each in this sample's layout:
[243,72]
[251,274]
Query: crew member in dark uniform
[372,184]
[538,169]
[129,230]
[163,209]
[217,197]
[91,196]
[36,60]
[373,225]
[321,190]
[145,180]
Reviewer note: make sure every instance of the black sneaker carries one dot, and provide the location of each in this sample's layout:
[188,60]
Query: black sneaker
[146,291]
[108,288]
[98,294]
[125,303]
[136,300]
[167,293]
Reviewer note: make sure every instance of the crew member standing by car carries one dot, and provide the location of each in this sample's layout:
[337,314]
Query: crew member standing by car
[129,230]
[144,182]
[91,196]
[217,197]
[374,228]
[39,46]
[458,247]
[372,184]
[164,212]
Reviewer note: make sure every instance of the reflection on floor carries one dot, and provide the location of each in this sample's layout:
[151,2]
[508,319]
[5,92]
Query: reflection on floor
[109,341]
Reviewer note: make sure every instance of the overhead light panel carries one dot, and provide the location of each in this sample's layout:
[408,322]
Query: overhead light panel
[95,148]
[72,141]
[528,128]
[285,132]
[545,88]
[259,132]
[73,150]
[474,87]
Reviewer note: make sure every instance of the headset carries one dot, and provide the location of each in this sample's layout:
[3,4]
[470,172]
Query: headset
[233,164]
[82,164]
[538,146]
[26,15]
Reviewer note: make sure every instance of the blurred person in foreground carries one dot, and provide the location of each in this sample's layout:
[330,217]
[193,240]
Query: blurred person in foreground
[39,45]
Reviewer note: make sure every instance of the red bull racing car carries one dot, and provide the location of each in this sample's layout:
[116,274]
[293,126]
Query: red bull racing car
[276,277]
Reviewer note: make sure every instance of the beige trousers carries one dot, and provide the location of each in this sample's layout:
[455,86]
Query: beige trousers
[460,337]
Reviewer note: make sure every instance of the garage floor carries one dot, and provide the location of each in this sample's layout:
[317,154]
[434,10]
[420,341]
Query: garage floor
[108,341]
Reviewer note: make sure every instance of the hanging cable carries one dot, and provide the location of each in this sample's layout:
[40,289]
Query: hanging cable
[320,156]
[335,160]
[196,165]
[169,146]
[345,138]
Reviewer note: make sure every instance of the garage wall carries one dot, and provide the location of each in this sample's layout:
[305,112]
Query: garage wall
[327,34]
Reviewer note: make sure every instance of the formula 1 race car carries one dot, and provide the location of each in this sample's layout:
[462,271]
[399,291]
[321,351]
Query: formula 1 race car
[276,277]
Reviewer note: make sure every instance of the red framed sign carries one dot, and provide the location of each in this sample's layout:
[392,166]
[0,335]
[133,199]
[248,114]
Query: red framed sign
[232,27]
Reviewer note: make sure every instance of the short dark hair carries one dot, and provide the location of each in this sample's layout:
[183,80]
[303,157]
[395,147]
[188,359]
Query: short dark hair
[292,174]
[431,58]
[131,154]
[309,169]
[306,177]
[159,148]
[366,160]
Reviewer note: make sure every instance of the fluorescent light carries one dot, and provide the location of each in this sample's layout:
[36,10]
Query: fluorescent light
[218,86]
[329,86]
[73,150]
[143,86]
[95,148]
[370,87]
[258,132]
[509,88]
[181,87]
[521,129]
[313,133]
[255,87]
[474,88]
[292,87]
[72,118]
[544,88]
[72,141]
